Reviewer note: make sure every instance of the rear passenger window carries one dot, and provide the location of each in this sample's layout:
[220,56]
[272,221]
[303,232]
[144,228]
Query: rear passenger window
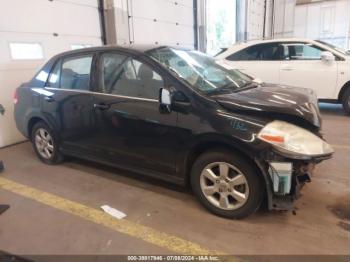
[261,52]
[71,73]
[75,73]
[54,79]
[129,77]
[250,53]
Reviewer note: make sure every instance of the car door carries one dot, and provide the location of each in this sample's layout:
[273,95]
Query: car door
[303,67]
[259,61]
[67,101]
[131,131]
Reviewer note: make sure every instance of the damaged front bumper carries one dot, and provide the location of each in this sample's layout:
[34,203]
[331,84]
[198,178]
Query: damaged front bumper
[285,177]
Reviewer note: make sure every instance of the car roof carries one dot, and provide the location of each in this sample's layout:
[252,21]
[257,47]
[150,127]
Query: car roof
[133,49]
[271,40]
[241,45]
[265,41]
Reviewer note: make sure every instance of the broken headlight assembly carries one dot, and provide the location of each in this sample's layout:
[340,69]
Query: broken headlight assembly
[294,141]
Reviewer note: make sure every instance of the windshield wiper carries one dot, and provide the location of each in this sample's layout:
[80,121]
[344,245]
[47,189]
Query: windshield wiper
[238,88]
[230,86]
[246,86]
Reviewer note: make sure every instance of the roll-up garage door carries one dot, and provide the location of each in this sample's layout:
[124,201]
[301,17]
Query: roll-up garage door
[161,22]
[32,31]
[256,19]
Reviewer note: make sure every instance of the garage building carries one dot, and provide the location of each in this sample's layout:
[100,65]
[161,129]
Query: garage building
[84,207]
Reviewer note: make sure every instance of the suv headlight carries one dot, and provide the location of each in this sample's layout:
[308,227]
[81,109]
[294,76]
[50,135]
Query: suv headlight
[292,139]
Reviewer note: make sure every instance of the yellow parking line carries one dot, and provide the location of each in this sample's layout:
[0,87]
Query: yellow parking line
[163,240]
[341,146]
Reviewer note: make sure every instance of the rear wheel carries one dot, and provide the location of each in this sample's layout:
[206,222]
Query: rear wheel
[227,184]
[346,101]
[45,144]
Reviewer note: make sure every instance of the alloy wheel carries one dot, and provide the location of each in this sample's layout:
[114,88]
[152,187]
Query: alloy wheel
[44,143]
[224,186]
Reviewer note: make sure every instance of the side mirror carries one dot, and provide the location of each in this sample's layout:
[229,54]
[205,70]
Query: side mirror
[176,101]
[165,101]
[258,81]
[327,56]
[164,97]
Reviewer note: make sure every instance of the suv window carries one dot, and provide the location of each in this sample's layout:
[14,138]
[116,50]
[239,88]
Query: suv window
[303,51]
[54,78]
[262,52]
[129,77]
[72,73]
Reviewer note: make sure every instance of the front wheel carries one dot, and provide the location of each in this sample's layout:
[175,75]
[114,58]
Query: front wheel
[45,144]
[227,184]
[346,101]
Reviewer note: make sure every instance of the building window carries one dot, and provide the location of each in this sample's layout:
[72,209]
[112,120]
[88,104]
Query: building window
[79,46]
[26,51]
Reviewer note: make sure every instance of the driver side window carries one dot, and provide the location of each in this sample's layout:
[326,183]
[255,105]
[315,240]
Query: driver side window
[303,51]
[126,76]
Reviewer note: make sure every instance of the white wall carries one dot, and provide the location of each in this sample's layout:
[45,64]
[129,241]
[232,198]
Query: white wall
[35,21]
[328,20]
[162,22]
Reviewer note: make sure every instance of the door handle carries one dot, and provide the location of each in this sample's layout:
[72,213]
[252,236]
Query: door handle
[49,99]
[101,106]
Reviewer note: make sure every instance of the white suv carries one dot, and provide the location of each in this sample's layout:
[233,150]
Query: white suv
[295,62]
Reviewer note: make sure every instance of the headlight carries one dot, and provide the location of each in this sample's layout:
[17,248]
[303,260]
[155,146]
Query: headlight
[290,138]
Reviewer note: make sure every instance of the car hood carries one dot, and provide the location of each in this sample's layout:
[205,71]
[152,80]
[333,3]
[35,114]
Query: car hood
[274,100]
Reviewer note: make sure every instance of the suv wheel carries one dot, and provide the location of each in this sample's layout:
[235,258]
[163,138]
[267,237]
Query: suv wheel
[227,184]
[45,144]
[346,101]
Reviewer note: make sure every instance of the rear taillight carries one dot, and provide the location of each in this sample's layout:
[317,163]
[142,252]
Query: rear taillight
[15,96]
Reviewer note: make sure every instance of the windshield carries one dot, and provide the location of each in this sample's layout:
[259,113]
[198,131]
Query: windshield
[339,49]
[199,70]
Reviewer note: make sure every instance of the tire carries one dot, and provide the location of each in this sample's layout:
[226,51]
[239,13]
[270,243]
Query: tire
[45,144]
[242,179]
[346,101]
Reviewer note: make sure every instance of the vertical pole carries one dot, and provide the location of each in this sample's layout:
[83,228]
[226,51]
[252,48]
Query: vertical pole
[130,16]
[101,12]
[195,23]
[265,12]
[202,25]
[2,112]
[246,20]
[273,20]
[239,23]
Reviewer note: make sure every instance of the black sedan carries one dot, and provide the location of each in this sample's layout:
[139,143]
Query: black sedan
[179,116]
